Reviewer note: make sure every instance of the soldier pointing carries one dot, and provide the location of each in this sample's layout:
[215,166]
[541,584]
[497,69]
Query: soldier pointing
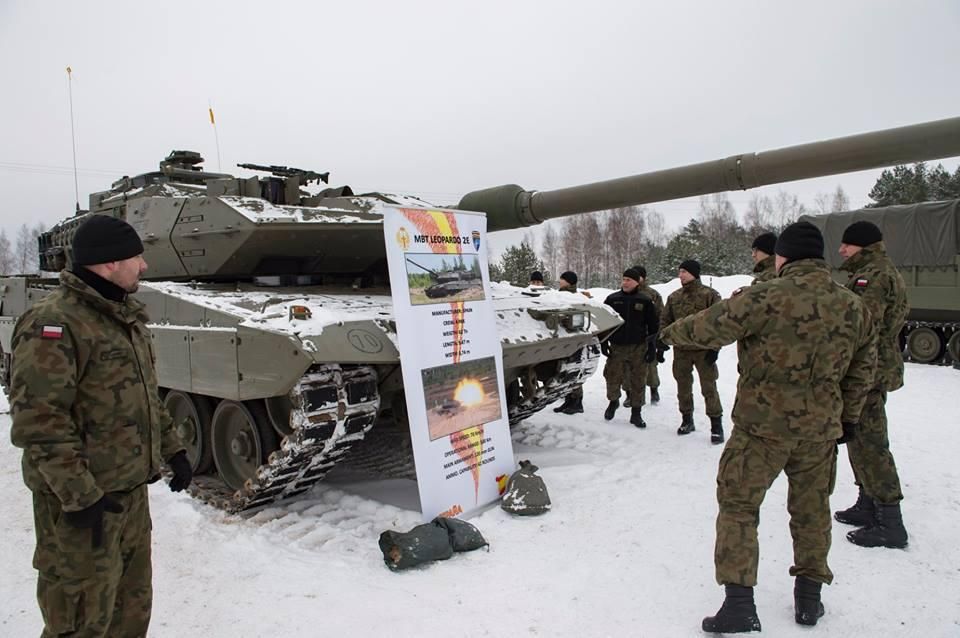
[88,416]
[792,399]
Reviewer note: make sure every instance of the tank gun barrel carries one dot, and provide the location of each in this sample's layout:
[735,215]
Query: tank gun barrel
[511,206]
[432,272]
[287,171]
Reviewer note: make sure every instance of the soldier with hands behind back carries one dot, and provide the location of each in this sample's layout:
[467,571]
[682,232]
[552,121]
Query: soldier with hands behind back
[87,413]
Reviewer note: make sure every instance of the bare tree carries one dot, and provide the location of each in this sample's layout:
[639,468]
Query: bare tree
[655,228]
[760,214]
[822,203]
[6,256]
[840,201]
[26,247]
[551,252]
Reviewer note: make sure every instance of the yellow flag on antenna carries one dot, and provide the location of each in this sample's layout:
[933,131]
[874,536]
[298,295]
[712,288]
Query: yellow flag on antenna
[211,116]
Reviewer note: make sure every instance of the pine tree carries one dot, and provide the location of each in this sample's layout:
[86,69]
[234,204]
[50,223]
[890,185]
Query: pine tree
[517,263]
[910,185]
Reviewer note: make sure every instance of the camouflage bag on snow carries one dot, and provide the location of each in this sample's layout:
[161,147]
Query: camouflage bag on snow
[436,540]
[526,493]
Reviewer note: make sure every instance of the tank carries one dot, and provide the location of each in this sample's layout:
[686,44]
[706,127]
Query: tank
[923,241]
[449,283]
[271,314]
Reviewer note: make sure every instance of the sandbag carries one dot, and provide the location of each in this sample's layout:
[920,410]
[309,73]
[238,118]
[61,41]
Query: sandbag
[421,545]
[463,536]
[526,493]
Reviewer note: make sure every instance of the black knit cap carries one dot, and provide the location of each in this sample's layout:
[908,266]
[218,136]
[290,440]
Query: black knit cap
[766,242]
[536,275]
[862,233]
[632,273]
[641,270]
[102,239]
[570,277]
[692,266]
[801,240]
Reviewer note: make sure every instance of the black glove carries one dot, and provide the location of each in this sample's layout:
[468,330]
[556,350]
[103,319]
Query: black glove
[92,518]
[849,433]
[660,357]
[651,354]
[712,356]
[182,474]
[605,348]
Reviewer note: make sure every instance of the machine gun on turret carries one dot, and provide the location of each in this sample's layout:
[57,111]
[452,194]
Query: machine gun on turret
[286,171]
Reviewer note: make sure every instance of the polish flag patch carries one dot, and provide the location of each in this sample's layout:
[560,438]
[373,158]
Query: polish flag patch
[52,332]
[861,282]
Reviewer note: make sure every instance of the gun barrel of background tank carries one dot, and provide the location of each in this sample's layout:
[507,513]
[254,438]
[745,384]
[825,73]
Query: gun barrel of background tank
[511,206]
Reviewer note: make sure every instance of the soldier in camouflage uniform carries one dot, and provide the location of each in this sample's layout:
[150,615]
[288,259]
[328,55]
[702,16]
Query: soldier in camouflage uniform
[87,414]
[792,399]
[573,402]
[878,283]
[762,253]
[691,298]
[653,376]
[631,347]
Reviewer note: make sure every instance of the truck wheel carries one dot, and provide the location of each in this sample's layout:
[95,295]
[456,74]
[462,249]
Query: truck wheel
[953,346]
[924,344]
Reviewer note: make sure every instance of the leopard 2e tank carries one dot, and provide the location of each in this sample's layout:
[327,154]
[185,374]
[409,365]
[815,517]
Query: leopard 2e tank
[271,315]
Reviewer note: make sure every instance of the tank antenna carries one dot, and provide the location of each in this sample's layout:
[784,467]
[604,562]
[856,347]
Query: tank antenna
[216,138]
[73,139]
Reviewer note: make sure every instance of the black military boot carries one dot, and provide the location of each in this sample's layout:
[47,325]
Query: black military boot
[686,425]
[574,407]
[654,396]
[611,409]
[636,418]
[737,615]
[716,429]
[807,607]
[887,529]
[563,406]
[862,513]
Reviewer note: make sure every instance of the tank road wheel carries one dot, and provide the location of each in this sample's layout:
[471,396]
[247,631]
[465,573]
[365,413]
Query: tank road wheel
[191,419]
[242,439]
[924,345]
[278,411]
[953,346]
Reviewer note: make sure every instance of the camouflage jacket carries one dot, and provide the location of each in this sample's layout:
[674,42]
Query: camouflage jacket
[690,299]
[765,270]
[83,396]
[655,296]
[807,352]
[878,282]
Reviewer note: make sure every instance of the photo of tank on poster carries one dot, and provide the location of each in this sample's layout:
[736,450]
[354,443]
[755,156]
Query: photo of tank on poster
[443,278]
[460,396]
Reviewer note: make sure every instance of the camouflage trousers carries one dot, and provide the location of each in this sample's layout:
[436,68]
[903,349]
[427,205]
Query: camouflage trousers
[869,452]
[625,367]
[684,361]
[748,467]
[653,377]
[88,592]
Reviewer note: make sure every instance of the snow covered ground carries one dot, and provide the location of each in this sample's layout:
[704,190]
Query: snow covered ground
[626,551]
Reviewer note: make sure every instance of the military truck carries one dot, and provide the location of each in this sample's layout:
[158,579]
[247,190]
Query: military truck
[272,320]
[923,240]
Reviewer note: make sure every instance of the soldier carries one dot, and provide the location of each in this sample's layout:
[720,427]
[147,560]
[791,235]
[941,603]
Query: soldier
[536,279]
[87,414]
[792,400]
[874,277]
[653,378]
[691,298]
[630,347]
[762,253]
[573,402]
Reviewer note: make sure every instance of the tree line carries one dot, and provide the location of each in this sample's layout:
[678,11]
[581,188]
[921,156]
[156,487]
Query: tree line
[599,246]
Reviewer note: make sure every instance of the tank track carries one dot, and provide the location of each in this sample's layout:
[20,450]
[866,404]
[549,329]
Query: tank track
[333,409]
[948,328]
[389,454]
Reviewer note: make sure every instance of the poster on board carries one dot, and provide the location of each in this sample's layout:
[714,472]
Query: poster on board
[450,355]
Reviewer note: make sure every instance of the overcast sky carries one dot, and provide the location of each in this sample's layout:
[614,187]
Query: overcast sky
[440,98]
